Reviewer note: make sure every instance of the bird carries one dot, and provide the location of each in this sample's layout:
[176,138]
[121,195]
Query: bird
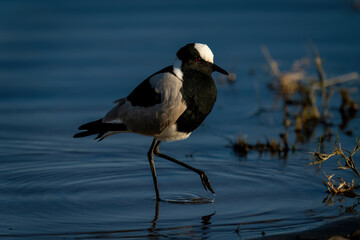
[167,106]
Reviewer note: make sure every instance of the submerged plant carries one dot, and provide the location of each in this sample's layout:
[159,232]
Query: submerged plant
[281,147]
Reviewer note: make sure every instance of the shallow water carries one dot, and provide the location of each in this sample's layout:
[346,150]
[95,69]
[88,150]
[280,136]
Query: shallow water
[63,63]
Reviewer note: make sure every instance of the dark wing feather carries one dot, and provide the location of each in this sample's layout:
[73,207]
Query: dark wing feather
[144,95]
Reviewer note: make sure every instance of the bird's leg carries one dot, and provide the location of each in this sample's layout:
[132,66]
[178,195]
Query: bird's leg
[204,179]
[152,167]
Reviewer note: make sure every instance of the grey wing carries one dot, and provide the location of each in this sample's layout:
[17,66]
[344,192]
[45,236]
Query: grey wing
[152,107]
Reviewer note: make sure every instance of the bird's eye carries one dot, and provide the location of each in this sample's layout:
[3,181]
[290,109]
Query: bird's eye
[197,59]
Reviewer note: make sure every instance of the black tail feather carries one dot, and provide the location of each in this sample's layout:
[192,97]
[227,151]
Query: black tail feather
[91,125]
[99,128]
[84,134]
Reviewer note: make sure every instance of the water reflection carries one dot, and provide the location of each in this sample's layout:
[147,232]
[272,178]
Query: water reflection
[156,216]
[338,200]
[199,230]
[155,233]
[189,198]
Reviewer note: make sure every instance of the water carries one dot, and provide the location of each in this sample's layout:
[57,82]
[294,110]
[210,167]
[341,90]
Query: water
[63,63]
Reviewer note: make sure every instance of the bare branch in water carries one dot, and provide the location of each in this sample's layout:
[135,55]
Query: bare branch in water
[348,160]
[341,187]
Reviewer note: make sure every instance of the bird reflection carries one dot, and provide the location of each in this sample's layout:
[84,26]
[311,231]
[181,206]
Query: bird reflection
[156,215]
[155,233]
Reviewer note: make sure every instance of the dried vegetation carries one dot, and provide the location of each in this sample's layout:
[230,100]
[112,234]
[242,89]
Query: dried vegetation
[275,148]
[348,159]
[345,161]
[300,94]
[305,103]
[341,187]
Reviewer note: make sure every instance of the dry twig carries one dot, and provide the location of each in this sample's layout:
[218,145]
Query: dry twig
[349,162]
[340,188]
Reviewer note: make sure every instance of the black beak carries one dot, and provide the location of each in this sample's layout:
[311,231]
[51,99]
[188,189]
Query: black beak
[216,68]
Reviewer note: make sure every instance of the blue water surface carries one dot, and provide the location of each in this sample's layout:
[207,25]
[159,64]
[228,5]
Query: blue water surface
[62,63]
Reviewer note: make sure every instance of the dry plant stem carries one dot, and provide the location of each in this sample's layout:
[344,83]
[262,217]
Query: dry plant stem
[342,187]
[348,106]
[338,80]
[349,160]
[312,96]
[320,157]
[272,63]
[322,78]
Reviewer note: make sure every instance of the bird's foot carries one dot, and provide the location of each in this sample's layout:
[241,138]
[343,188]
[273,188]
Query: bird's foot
[206,182]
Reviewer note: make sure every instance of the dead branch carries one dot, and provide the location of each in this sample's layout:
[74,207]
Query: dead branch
[349,162]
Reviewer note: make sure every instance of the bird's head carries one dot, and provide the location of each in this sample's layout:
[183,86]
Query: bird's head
[197,56]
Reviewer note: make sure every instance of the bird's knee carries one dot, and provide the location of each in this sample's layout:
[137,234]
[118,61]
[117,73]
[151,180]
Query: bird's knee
[157,151]
[150,155]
